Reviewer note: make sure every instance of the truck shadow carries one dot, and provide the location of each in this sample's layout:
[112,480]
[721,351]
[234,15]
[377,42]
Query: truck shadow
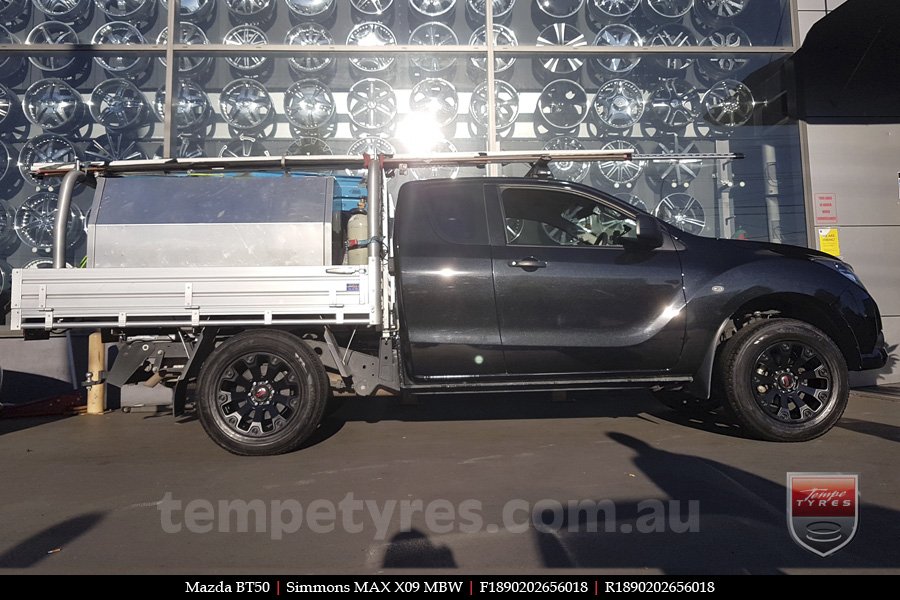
[533,405]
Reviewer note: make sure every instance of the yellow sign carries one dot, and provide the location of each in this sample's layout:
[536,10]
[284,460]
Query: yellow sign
[829,242]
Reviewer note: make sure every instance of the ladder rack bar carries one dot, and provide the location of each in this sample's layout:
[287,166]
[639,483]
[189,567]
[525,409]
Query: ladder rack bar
[289,163]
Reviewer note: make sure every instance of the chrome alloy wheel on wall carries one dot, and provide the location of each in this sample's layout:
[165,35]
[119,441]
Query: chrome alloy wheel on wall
[567,170]
[618,34]
[562,104]
[36,218]
[52,32]
[506,105]
[620,173]
[372,105]
[120,33]
[619,104]
[246,105]
[683,211]
[432,34]
[309,34]
[503,36]
[309,105]
[561,34]
[194,36]
[53,105]
[371,34]
[432,9]
[45,148]
[192,106]
[729,104]
[118,104]
[435,97]
[246,35]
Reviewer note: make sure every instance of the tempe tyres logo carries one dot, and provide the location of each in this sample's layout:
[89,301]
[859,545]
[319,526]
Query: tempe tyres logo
[823,510]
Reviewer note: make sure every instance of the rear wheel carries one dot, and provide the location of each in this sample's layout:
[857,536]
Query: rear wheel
[784,380]
[262,392]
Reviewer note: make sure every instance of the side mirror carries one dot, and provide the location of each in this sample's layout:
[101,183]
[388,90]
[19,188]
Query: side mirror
[648,233]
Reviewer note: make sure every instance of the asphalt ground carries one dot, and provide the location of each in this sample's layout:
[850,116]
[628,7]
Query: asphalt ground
[606,483]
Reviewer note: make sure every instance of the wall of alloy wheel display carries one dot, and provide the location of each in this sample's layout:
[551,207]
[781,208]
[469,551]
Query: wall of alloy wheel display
[86,79]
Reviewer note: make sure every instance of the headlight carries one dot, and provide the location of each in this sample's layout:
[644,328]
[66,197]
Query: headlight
[842,268]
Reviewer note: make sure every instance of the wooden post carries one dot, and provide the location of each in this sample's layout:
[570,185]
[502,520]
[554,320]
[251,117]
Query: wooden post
[96,399]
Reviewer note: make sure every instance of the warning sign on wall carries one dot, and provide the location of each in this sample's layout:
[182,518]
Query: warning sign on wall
[826,209]
[829,242]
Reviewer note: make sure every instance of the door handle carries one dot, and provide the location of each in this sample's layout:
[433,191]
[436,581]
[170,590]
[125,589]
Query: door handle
[528,263]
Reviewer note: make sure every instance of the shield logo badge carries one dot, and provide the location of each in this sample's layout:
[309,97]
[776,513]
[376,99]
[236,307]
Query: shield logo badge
[823,510]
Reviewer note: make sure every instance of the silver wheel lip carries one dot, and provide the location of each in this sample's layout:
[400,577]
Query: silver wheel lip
[6,162]
[620,172]
[246,82]
[385,37]
[549,88]
[327,7]
[501,64]
[71,154]
[390,94]
[634,200]
[562,32]
[234,61]
[8,62]
[667,203]
[439,82]
[68,36]
[479,95]
[630,63]
[96,103]
[734,84]
[45,241]
[96,142]
[58,85]
[599,5]
[666,94]
[414,5]
[581,168]
[622,84]
[652,6]
[370,141]
[291,91]
[140,7]
[418,61]
[477,7]
[377,11]
[326,40]
[137,63]
[574,10]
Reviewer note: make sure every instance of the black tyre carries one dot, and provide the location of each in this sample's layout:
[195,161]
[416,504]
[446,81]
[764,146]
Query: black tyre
[784,380]
[684,402]
[262,392]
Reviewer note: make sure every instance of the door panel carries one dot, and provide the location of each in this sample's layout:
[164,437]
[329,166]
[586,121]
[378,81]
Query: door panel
[445,281]
[571,298]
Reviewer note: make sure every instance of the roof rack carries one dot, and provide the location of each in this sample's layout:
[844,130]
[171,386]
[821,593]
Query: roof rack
[537,159]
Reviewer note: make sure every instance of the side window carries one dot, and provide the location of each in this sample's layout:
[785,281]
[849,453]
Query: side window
[542,217]
[457,214]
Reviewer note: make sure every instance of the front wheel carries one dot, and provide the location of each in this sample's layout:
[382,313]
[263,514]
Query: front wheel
[784,380]
[262,392]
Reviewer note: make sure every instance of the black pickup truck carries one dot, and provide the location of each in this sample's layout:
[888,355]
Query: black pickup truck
[513,284]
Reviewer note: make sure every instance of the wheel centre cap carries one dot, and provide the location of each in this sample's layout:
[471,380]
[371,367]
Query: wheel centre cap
[786,380]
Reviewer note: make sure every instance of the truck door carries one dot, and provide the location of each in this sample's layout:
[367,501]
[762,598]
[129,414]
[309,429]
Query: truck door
[445,286]
[571,298]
